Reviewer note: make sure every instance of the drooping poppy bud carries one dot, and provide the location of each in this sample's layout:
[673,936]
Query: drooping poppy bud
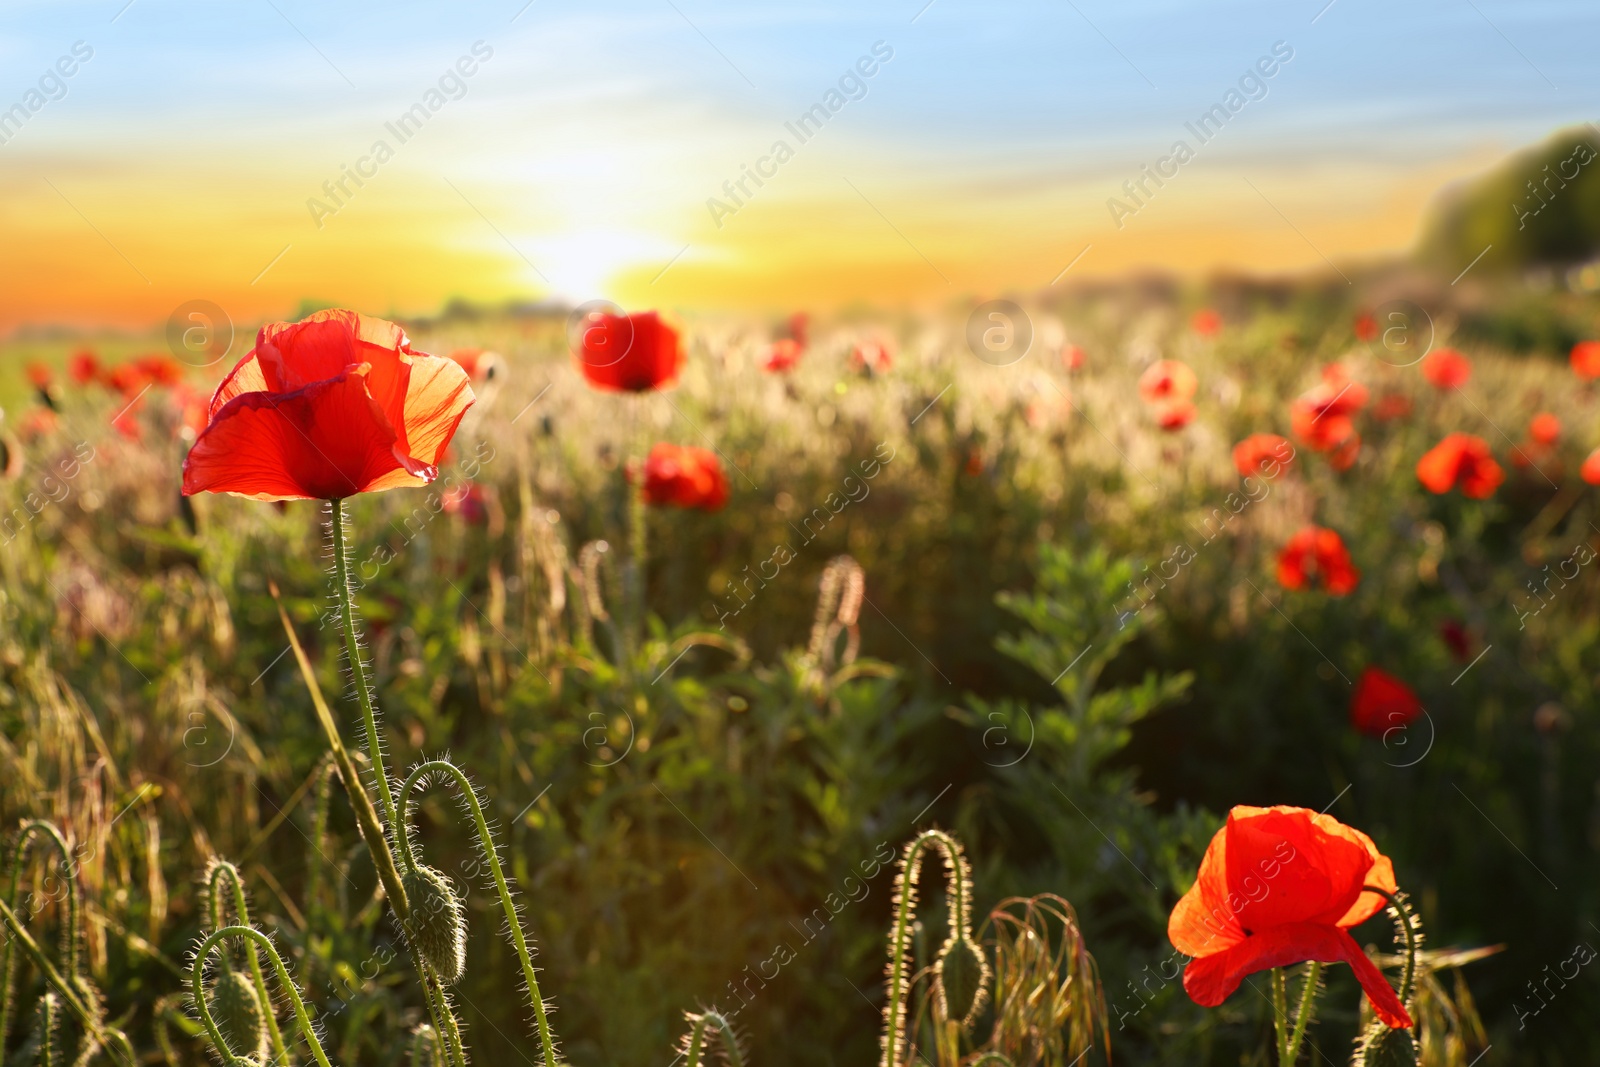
[438,925]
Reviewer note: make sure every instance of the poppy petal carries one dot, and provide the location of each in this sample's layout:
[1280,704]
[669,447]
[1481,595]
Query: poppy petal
[325,441]
[1210,980]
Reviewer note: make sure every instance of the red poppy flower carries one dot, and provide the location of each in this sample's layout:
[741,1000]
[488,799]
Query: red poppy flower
[1544,428]
[1072,357]
[1382,703]
[1206,322]
[1317,552]
[39,375]
[872,356]
[1446,368]
[83,367]
[974,465]
[1366,327]
[1586,359]
[479,364]
[1280,886]
[1461,459]
[782,355]
[1174,415]
[684,477]
[629,353]
[325,408]
[1590,471]
[1323,417]
[1264,455]
[1167,380]
[160,369]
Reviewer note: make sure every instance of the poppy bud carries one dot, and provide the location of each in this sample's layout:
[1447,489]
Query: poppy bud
[438,927]
[425,1051]
[238,1013]
[962,978]
[1385,1047]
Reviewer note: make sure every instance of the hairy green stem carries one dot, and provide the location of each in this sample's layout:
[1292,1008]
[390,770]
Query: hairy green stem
[502,886]
[98,1031]
[1403,920]
[1280,1015]
[197,991]
[69,937]
[372,832]
[1308,999]
[694,1045]
[894,1012]
[358,670]
[444,1018]
[222,871]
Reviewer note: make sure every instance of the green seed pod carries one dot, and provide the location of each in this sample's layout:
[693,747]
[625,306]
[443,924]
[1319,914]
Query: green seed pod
[962,980]
[239,1014]
[438,925]
[1389,1048]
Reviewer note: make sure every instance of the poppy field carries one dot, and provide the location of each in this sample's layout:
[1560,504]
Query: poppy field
[1152,674]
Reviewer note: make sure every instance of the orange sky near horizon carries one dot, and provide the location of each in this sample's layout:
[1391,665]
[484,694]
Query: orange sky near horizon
[122,247]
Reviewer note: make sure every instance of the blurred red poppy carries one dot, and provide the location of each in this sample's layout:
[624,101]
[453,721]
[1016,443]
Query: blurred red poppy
[1590,471]
[1174,415]
[782,355]
[974,465]
[39,375]
[1167,380]
[479,364]
[1316,552]
[800,328]
[1461,459]
[1072,357]
[1206,322]
[684,477]
[1457,638]
[1445,368]
[37,423]
[629,353]
[127,379]
[1544,428]
[194,409]
[1323,417]
[1366,327]
[160,369]
[469,502]
[1344,454]
[325,408]
[1264,455]
[1586,359]
[1280,886]
[83,367]
[874,357]
[1382,703]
